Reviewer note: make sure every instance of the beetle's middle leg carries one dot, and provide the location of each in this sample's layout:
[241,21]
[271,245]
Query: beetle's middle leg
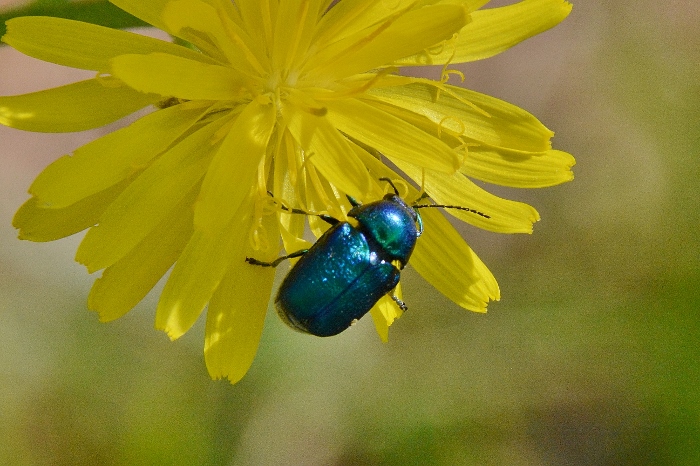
[277,261]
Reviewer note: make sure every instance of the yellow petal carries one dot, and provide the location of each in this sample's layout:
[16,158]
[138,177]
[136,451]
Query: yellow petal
[295,25]
[36,223]
[328,151]
[75,107]
[505,216]
[490,120]
[292,226]
[379,319]
[216,35]
[494,30]
[390,135]
[518,169]
[255,16]
[150,11]
[384,313]
[350,16]
[237,310]
[199,271]
[126,282]
[235,321]
[234,167]
[82,45]
[448,263]
[114,157]
[147,200]
[398,37]
[169,75]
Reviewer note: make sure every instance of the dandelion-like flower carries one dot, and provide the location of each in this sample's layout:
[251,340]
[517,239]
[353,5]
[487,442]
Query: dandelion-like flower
[273,105]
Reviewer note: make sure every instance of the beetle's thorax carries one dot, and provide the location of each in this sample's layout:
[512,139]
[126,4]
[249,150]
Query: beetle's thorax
[390,224]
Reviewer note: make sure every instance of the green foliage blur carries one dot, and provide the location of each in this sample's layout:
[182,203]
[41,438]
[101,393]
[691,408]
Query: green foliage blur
[590,358]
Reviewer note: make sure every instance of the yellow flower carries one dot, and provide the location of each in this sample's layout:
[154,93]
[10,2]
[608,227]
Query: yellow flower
[296,98]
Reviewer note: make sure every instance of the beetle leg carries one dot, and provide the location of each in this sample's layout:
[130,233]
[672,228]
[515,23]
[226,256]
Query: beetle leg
[401,304]
[324,217]
[277,261]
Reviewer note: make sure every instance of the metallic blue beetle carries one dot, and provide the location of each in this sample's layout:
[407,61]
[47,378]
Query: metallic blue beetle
[349,268]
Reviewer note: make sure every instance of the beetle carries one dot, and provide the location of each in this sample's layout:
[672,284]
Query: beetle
[349,268]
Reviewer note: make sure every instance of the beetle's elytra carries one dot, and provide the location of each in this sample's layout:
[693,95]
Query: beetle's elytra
[343,275]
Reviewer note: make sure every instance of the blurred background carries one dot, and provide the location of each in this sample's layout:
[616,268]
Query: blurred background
[590,358]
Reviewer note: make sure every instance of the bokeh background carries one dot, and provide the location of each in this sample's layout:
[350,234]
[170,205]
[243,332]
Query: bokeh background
[590,358]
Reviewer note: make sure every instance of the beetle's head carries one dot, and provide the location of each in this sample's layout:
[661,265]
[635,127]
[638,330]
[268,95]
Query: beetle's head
[391,224]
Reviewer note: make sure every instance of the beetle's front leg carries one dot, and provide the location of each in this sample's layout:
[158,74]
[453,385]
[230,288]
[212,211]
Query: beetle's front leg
[326,218]
[277,261]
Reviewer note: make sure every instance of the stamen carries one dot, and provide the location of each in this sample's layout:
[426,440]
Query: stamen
[446,75]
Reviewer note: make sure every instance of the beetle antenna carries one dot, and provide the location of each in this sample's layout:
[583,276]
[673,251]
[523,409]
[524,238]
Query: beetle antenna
[423,206]
[391,183]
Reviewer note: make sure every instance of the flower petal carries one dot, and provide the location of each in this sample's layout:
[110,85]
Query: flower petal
[113,157]
[396,38]
[82,45]
[295,25]
[237,310]
[291,226]
[199,271]
[328,151]
[233,169]
[36,223]
[494,30]
[75,107]
[385,312]
[518,169]
[215,34]
[449,264]
[255,16]
[505,216]
[150,11]
[350,16]
[169,75]
[235,320]
[490,120]
[390,135]
[147,200]
[127,281]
